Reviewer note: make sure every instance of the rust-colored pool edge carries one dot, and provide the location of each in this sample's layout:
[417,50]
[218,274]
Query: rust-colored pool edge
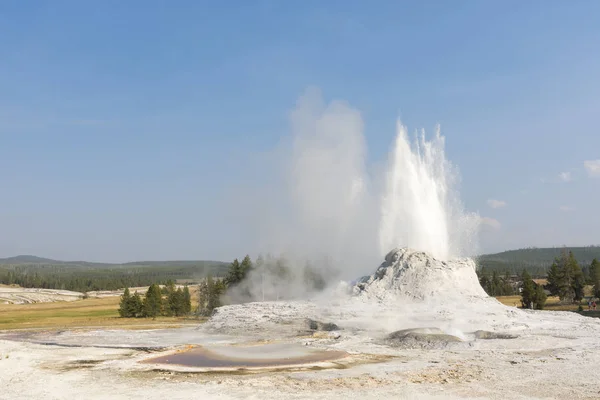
[198,358]
[172,371]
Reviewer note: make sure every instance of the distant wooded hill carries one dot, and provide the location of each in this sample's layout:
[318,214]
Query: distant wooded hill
[82,276]
[32,271]
[535,260]
[33,260]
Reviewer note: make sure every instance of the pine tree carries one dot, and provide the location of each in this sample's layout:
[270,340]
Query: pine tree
[213,300]
[496,285]
[540,297]
[174,303]
[586,275]
[554,278]
[234,275]
[507,287]
[595,276]
[245,267]
[527,290]
[169,287]
[566,279]
[203,298]
[484,281]
[531,293]
[177,304]
[124,310]
[578,278]
[209,295]
[187,300]
[137,305]
[153,301]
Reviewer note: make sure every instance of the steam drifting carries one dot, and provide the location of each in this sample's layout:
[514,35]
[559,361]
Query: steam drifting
[329,206]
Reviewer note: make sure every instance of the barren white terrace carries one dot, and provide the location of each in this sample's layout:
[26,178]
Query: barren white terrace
[13,295]
[18,295]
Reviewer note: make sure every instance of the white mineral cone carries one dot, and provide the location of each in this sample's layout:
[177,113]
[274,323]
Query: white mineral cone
[415,275]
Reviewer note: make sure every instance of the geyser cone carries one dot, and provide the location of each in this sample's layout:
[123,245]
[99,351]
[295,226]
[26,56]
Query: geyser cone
[415,275]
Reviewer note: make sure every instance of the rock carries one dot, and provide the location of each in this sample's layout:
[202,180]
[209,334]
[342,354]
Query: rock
[320,326]
[492,335]
[326,335]
[426,338]
[284,318]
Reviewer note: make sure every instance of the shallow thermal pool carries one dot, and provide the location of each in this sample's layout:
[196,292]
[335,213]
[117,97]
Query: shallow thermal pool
[269,355]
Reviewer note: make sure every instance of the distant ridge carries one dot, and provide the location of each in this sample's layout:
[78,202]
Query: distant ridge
[511,260]
[34,260]
[545,254]
[81,276]
[535,259]
[26,259]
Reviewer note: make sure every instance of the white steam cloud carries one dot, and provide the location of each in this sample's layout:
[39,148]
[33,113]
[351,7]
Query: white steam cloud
[327,209]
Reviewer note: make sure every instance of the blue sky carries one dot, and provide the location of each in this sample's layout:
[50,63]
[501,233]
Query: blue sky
[125,126]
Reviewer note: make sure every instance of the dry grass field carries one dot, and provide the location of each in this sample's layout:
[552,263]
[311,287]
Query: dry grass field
[78,314]
[552,304]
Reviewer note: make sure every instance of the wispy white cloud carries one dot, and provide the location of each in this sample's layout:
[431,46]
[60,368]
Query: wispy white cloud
[490,223]
[566,208]
[496,203]
[565,177]
[592,167]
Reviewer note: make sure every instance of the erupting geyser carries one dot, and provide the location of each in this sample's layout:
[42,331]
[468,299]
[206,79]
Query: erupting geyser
[335,210]
[420,206]
[335,206]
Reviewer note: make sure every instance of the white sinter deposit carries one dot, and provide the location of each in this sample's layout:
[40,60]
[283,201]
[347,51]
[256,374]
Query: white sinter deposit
[416,276]
[18,295]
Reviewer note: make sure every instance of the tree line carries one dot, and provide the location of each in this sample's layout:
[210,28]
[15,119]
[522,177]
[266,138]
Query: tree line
[536,261]
[265,279]
[566,279]
[86,279]
[532,294]
[166,302]
[210,294]
[211,290]
[496,285]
